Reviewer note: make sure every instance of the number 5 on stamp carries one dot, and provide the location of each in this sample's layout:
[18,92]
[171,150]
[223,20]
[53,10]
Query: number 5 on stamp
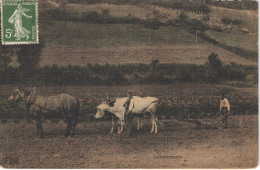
[19,22]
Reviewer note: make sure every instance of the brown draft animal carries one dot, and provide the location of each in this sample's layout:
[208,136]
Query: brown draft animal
[40,105]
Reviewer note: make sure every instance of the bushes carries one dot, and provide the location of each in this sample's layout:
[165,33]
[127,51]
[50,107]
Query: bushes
[214,68]
[234,71]
[186,5]
[152,24]
[213,71]
[12,110]
[237,4]
[183,107]
[228,21]
[191,6]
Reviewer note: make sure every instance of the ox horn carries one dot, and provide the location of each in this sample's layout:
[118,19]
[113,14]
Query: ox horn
[107,96]
[107,100]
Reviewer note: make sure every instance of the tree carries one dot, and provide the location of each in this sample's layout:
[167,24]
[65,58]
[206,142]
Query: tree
[153,64]
[214,68]
[29,57]
[182,17]
[153,24]
[6,55]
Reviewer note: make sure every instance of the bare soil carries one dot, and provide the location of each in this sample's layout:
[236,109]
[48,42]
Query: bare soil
[177,145]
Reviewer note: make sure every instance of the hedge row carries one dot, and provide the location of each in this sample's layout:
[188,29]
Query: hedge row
[186,5]
[105,17]
[154,73]
[239,51]
[235,4]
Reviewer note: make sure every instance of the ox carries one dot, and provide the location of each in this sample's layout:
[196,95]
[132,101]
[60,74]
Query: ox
[138,105]
[41,105]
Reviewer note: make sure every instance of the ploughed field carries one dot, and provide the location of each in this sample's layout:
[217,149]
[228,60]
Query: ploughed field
[177,145]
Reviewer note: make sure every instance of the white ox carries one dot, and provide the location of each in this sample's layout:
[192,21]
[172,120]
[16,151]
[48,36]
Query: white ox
[138,106]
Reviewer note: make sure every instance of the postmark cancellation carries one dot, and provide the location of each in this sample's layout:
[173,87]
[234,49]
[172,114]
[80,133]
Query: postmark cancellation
[19,22]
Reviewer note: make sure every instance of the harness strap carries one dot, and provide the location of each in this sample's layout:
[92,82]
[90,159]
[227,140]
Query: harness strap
[32,102]
[32,98]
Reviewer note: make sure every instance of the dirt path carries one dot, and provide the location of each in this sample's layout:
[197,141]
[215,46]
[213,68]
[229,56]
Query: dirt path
[175,146]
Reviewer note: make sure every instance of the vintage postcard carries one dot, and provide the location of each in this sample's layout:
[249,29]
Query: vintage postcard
[129,84]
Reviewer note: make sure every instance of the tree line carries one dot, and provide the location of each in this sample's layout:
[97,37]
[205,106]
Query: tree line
[213,71]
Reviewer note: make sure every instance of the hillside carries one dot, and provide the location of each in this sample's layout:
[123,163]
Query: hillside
[145,11]
[79,43]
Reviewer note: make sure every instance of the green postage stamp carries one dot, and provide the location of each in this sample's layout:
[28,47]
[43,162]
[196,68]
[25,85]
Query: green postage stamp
[19,22]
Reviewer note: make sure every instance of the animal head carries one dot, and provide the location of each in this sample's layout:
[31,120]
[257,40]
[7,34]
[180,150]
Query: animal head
[101,110]
[110,101]
[19,94]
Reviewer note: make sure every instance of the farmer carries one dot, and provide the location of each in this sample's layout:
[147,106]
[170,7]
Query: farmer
[128,113]
[224,109]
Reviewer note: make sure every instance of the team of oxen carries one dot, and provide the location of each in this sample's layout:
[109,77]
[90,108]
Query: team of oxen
[69,107]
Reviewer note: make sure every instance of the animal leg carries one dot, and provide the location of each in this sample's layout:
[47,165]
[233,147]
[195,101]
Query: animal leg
[152,110]
[75,122]
[141,125]
[69,127]
[138,123]
[152,120]
[122,126]
[39,126]
[75,118]
[113,123]
[155,124]
[119,127]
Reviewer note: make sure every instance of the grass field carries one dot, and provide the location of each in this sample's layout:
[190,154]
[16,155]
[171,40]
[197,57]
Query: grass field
[78,34]
[114,10]
[239,39]
[79,43]
[249,17]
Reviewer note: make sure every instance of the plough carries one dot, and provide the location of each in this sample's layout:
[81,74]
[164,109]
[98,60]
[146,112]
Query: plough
[210,123]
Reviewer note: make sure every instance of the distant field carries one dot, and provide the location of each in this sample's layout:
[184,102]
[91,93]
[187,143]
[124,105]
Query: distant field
[80,34]
[143,11]
[81,43]
[236,39]
[114,10]
[249,17]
